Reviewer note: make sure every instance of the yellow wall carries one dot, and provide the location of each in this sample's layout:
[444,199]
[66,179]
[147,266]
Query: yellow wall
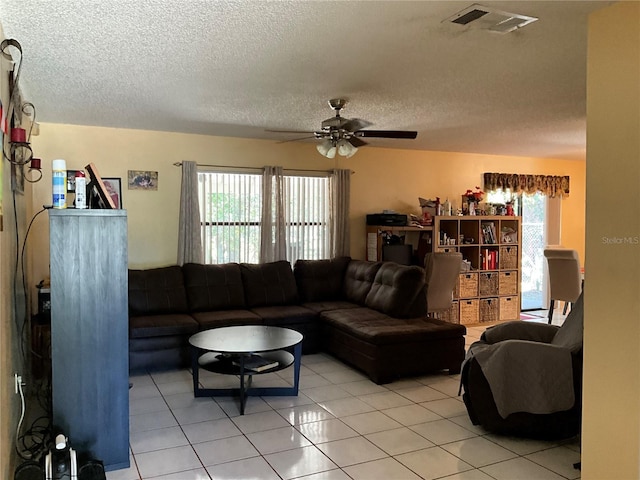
[611,424]
[383,179]
[12,307]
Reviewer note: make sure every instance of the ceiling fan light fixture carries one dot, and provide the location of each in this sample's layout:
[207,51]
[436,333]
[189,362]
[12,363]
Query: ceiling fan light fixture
[340,135]
[346,149]
[324,148]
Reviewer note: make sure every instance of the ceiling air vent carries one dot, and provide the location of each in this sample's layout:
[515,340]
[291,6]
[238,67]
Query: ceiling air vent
[486,18]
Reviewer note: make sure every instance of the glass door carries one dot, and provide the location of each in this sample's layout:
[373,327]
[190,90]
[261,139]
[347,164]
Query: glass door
[534,239]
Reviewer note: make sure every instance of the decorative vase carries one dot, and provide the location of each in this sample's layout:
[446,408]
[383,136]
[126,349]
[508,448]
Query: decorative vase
[472,208]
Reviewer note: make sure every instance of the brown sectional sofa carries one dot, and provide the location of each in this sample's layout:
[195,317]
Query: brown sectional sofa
[371,315]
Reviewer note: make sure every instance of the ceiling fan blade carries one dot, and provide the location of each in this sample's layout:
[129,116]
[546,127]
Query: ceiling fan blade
[356,142]
[386,134]
[354,124]
[288,131]
[296,139]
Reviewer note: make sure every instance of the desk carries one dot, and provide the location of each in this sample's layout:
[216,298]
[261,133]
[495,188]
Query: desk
[420,237]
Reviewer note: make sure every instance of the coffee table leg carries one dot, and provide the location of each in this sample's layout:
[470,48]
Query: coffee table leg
[297,360]
[244,386]
[195,371]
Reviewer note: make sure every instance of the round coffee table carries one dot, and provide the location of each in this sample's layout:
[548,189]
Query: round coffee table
[226,349]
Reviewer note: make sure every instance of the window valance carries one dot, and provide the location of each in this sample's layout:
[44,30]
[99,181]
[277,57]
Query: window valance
[553,186]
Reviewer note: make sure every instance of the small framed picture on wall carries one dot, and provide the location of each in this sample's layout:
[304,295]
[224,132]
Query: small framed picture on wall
[142,180]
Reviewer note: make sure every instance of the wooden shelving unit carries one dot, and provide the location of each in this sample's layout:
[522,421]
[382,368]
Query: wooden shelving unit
[490,290]
[90,331]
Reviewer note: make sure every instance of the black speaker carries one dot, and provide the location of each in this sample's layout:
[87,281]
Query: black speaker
[29,471]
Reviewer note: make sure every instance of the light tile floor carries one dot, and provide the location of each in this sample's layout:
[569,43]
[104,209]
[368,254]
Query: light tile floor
[341,426]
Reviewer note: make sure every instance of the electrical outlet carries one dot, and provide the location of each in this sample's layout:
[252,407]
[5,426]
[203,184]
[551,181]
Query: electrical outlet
[18,382]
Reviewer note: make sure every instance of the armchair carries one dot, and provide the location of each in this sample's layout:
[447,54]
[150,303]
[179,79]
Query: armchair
[525,379]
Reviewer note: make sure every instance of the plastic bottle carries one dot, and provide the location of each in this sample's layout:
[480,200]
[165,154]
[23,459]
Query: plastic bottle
[59,181]
[81,190]
[447,208]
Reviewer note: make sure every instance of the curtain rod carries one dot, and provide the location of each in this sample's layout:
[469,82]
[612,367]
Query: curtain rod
[179,164]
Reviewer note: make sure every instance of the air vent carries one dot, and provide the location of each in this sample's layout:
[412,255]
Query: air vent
[486,18]
[469,17]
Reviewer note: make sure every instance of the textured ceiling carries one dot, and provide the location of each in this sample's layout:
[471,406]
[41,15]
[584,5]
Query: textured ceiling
[238,68]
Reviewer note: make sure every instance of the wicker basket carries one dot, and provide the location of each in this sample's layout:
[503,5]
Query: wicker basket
[468,285]
[446,249]
[489,308]
[488,284]
[469,313]
[508,257]
[509,308]
[452,315]
[508,283]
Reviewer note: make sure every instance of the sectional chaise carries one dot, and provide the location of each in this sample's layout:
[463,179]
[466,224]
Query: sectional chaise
[371,315]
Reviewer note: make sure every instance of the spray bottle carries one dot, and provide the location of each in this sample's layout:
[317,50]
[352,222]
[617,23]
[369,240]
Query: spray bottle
[59,183]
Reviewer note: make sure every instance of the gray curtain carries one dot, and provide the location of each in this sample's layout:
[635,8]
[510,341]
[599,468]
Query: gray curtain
[189,229]
[273,244]
[339,195]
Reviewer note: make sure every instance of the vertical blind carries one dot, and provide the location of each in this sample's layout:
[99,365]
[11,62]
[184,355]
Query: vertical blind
[230,210]
[307,217]
[230,205]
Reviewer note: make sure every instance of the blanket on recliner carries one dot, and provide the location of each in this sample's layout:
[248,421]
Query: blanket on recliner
[526,376]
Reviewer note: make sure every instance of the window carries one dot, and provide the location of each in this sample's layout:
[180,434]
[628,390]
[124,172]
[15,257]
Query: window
[230,206]
[230,210]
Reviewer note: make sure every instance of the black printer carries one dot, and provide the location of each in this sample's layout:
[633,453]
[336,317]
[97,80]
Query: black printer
[387,219]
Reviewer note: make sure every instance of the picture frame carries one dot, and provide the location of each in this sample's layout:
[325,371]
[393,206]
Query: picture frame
[71,180]
[97,190]
[114,187]
[142,180]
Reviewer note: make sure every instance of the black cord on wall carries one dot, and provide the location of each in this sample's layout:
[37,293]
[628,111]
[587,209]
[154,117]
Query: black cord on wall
[36,439]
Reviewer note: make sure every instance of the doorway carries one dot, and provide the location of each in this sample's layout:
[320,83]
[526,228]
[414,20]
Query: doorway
[534,239]
[540,227]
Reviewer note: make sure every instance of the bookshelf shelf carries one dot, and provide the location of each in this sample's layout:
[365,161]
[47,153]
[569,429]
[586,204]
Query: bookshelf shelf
[490,290]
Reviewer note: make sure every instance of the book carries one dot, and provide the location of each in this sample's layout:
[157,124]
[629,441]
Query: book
[256,363]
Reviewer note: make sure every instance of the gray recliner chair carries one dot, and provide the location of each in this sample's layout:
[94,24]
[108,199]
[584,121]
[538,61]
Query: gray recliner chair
[525,378]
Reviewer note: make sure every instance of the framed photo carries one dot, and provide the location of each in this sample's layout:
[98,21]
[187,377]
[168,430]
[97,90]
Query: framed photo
[114,188]
[142,180]
[71,180]
[98,195]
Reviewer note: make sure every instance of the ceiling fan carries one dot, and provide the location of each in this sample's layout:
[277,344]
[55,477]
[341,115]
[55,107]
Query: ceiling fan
[343,135]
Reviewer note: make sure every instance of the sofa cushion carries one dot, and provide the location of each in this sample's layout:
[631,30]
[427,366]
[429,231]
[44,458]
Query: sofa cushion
[268,284]
[285,314]
[226,318]
[162,325]
[320,280]
[378,328]
[398,291]
[157,291]
[213,287]
[358,279]
[329,305]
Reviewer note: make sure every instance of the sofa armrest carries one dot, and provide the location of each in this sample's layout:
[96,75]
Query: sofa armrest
[518,330]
